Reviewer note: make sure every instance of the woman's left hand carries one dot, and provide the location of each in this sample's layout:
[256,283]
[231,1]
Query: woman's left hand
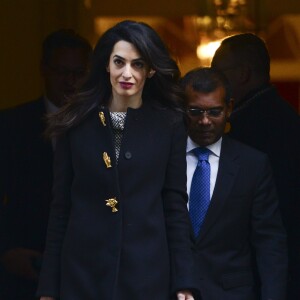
[185,295]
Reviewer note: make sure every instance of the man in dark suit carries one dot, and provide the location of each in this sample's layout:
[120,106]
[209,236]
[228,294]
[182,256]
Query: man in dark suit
[26,164]
[232,201]
[261,118]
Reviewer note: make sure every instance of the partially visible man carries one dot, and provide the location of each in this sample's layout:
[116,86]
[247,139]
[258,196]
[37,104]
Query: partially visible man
[232,201]
[262,119]
[26,164]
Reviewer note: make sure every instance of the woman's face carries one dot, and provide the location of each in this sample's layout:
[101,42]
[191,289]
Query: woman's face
[128,71]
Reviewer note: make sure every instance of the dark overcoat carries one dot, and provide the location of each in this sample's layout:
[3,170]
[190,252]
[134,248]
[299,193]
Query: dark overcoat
[141,251]
[267,122]
[25,189]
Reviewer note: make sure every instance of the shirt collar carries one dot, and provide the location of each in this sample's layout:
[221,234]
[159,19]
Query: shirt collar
[50,107]
[214,148]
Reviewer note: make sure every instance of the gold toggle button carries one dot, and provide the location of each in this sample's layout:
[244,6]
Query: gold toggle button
[107,160]
[102,118]
[112,202]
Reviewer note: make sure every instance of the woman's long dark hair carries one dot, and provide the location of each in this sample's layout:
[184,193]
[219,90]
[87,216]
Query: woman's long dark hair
[162,87]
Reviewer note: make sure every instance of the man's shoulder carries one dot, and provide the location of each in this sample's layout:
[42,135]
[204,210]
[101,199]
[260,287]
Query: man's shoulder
[267,106]
[31,106]
[242,149]
[26,111]
[24,118]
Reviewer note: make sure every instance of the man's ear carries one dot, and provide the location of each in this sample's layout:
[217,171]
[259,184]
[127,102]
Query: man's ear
[245,73]
[43,68]
[231,105]
[228,113]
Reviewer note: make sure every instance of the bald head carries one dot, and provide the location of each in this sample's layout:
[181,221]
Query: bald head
[245,61]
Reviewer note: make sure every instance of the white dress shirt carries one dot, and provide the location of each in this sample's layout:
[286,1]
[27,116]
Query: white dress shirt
[50,109]
[192,162]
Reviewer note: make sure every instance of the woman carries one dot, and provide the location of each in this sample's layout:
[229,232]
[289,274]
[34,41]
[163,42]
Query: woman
[118,227]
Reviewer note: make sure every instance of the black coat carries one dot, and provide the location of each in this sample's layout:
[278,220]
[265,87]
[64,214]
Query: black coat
[25,188]
[268,123]
[243,217]
[143,250]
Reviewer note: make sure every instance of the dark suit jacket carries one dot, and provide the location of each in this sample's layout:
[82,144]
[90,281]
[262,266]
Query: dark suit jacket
[94,253]
[269,124]
[26,181]
[242,217]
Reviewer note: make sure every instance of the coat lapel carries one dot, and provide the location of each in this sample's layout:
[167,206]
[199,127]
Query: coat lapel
[227,172]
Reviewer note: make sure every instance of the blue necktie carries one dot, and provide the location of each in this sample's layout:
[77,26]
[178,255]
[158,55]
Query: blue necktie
[200,190]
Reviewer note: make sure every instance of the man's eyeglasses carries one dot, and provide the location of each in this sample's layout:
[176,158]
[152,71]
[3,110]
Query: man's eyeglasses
[211,113]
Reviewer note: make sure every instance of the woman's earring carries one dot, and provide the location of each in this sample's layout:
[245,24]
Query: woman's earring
[151,73]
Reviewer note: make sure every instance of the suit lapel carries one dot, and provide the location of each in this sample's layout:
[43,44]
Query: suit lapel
[34,130]
[227,172]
